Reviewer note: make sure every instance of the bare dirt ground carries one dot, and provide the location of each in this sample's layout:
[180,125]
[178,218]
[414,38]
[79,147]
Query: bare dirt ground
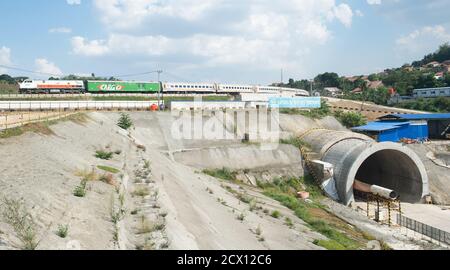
[369,110]
[157,203]
[159,199]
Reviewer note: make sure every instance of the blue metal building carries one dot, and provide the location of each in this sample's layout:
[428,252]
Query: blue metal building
[438,123]
[390,131]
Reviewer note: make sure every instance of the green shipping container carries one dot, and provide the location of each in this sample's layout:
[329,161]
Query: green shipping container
[122,87]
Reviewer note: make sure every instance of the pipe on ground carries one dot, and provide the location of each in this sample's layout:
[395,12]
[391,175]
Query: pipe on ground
[356,156]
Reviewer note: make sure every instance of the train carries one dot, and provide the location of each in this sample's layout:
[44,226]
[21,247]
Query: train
[107,87]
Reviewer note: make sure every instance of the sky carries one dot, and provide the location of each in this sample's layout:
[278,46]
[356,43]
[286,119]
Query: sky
[226,41]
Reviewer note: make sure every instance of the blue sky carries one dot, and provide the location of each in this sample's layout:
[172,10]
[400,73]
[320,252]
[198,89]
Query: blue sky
[218,40]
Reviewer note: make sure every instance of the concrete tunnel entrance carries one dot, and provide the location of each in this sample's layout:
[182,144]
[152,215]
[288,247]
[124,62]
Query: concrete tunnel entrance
[358,157]
[393,170]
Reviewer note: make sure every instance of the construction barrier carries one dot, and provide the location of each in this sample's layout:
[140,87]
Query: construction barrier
[441,236]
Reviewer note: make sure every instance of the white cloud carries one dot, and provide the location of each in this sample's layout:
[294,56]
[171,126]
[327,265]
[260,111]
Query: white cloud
[126,14]
[44,66]
[5,58]
[359,13]
[73,2]
[89,48]
[62,30]
[374,2]
[255,33]
[424,40]
[344,14]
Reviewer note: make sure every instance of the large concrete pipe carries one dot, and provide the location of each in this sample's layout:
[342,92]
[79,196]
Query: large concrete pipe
[356,156]
[385,193]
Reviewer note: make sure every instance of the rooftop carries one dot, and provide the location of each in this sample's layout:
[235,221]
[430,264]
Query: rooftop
[431,116]
[380,126]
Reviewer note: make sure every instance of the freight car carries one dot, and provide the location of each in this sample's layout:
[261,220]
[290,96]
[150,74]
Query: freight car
[99,87]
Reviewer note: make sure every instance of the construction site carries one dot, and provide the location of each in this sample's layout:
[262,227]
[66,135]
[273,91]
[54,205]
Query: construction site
[132,179]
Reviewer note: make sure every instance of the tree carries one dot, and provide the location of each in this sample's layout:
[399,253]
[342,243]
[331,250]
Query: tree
[351,119]
[441,55]
[125,121]
[327,79]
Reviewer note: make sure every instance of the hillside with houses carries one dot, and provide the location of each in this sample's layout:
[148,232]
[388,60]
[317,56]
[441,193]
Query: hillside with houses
[395,87]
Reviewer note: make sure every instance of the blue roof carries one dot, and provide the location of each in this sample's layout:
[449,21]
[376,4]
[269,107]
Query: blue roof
[380,126]
[430,116]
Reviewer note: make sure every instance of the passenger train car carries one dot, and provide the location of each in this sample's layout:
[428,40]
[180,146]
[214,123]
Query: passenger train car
[98,87]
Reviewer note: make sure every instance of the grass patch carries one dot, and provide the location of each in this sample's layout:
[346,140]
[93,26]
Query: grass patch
[295,141]
[80,191]
[108,169]
[63,231]
[39,128]
[141,192]
[319,113]
[288,222]
[17,216]
[224,174]
[103,154]
[329,244]
[284,191]
[275,214]
[42,127]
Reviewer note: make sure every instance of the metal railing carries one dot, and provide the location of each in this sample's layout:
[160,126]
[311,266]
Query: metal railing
[436,234]
[73,105]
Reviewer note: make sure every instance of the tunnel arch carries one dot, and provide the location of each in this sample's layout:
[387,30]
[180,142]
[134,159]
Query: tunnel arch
[390,165]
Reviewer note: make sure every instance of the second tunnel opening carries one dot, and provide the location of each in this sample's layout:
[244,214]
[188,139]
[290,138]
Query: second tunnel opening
[394,170]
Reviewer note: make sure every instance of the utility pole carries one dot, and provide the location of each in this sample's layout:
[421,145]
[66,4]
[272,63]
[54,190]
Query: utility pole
[311,89]
[282,79]
[160,90]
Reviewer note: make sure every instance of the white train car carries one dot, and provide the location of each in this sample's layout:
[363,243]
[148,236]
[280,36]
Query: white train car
[50,87]
[431,92]
[183,88]
[235,89]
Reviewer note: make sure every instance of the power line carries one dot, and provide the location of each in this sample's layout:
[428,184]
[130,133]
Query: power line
[30,71]
[138,74]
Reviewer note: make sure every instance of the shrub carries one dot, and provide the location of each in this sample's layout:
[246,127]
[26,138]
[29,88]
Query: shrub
[351,119]
[275,214]
[63,231]
[80,191]
[102,154]
[224,174]
[125,121]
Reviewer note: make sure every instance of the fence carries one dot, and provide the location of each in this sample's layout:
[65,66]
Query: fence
[88,95]
[8,121]
[426,230]
[74,105]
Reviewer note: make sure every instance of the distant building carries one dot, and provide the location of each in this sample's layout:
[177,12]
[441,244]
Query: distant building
[439,75]
[333,91]
[433,64]
[394,131]
[431,92]
[357,90]
[396,127]
[438,123]
[374,84]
